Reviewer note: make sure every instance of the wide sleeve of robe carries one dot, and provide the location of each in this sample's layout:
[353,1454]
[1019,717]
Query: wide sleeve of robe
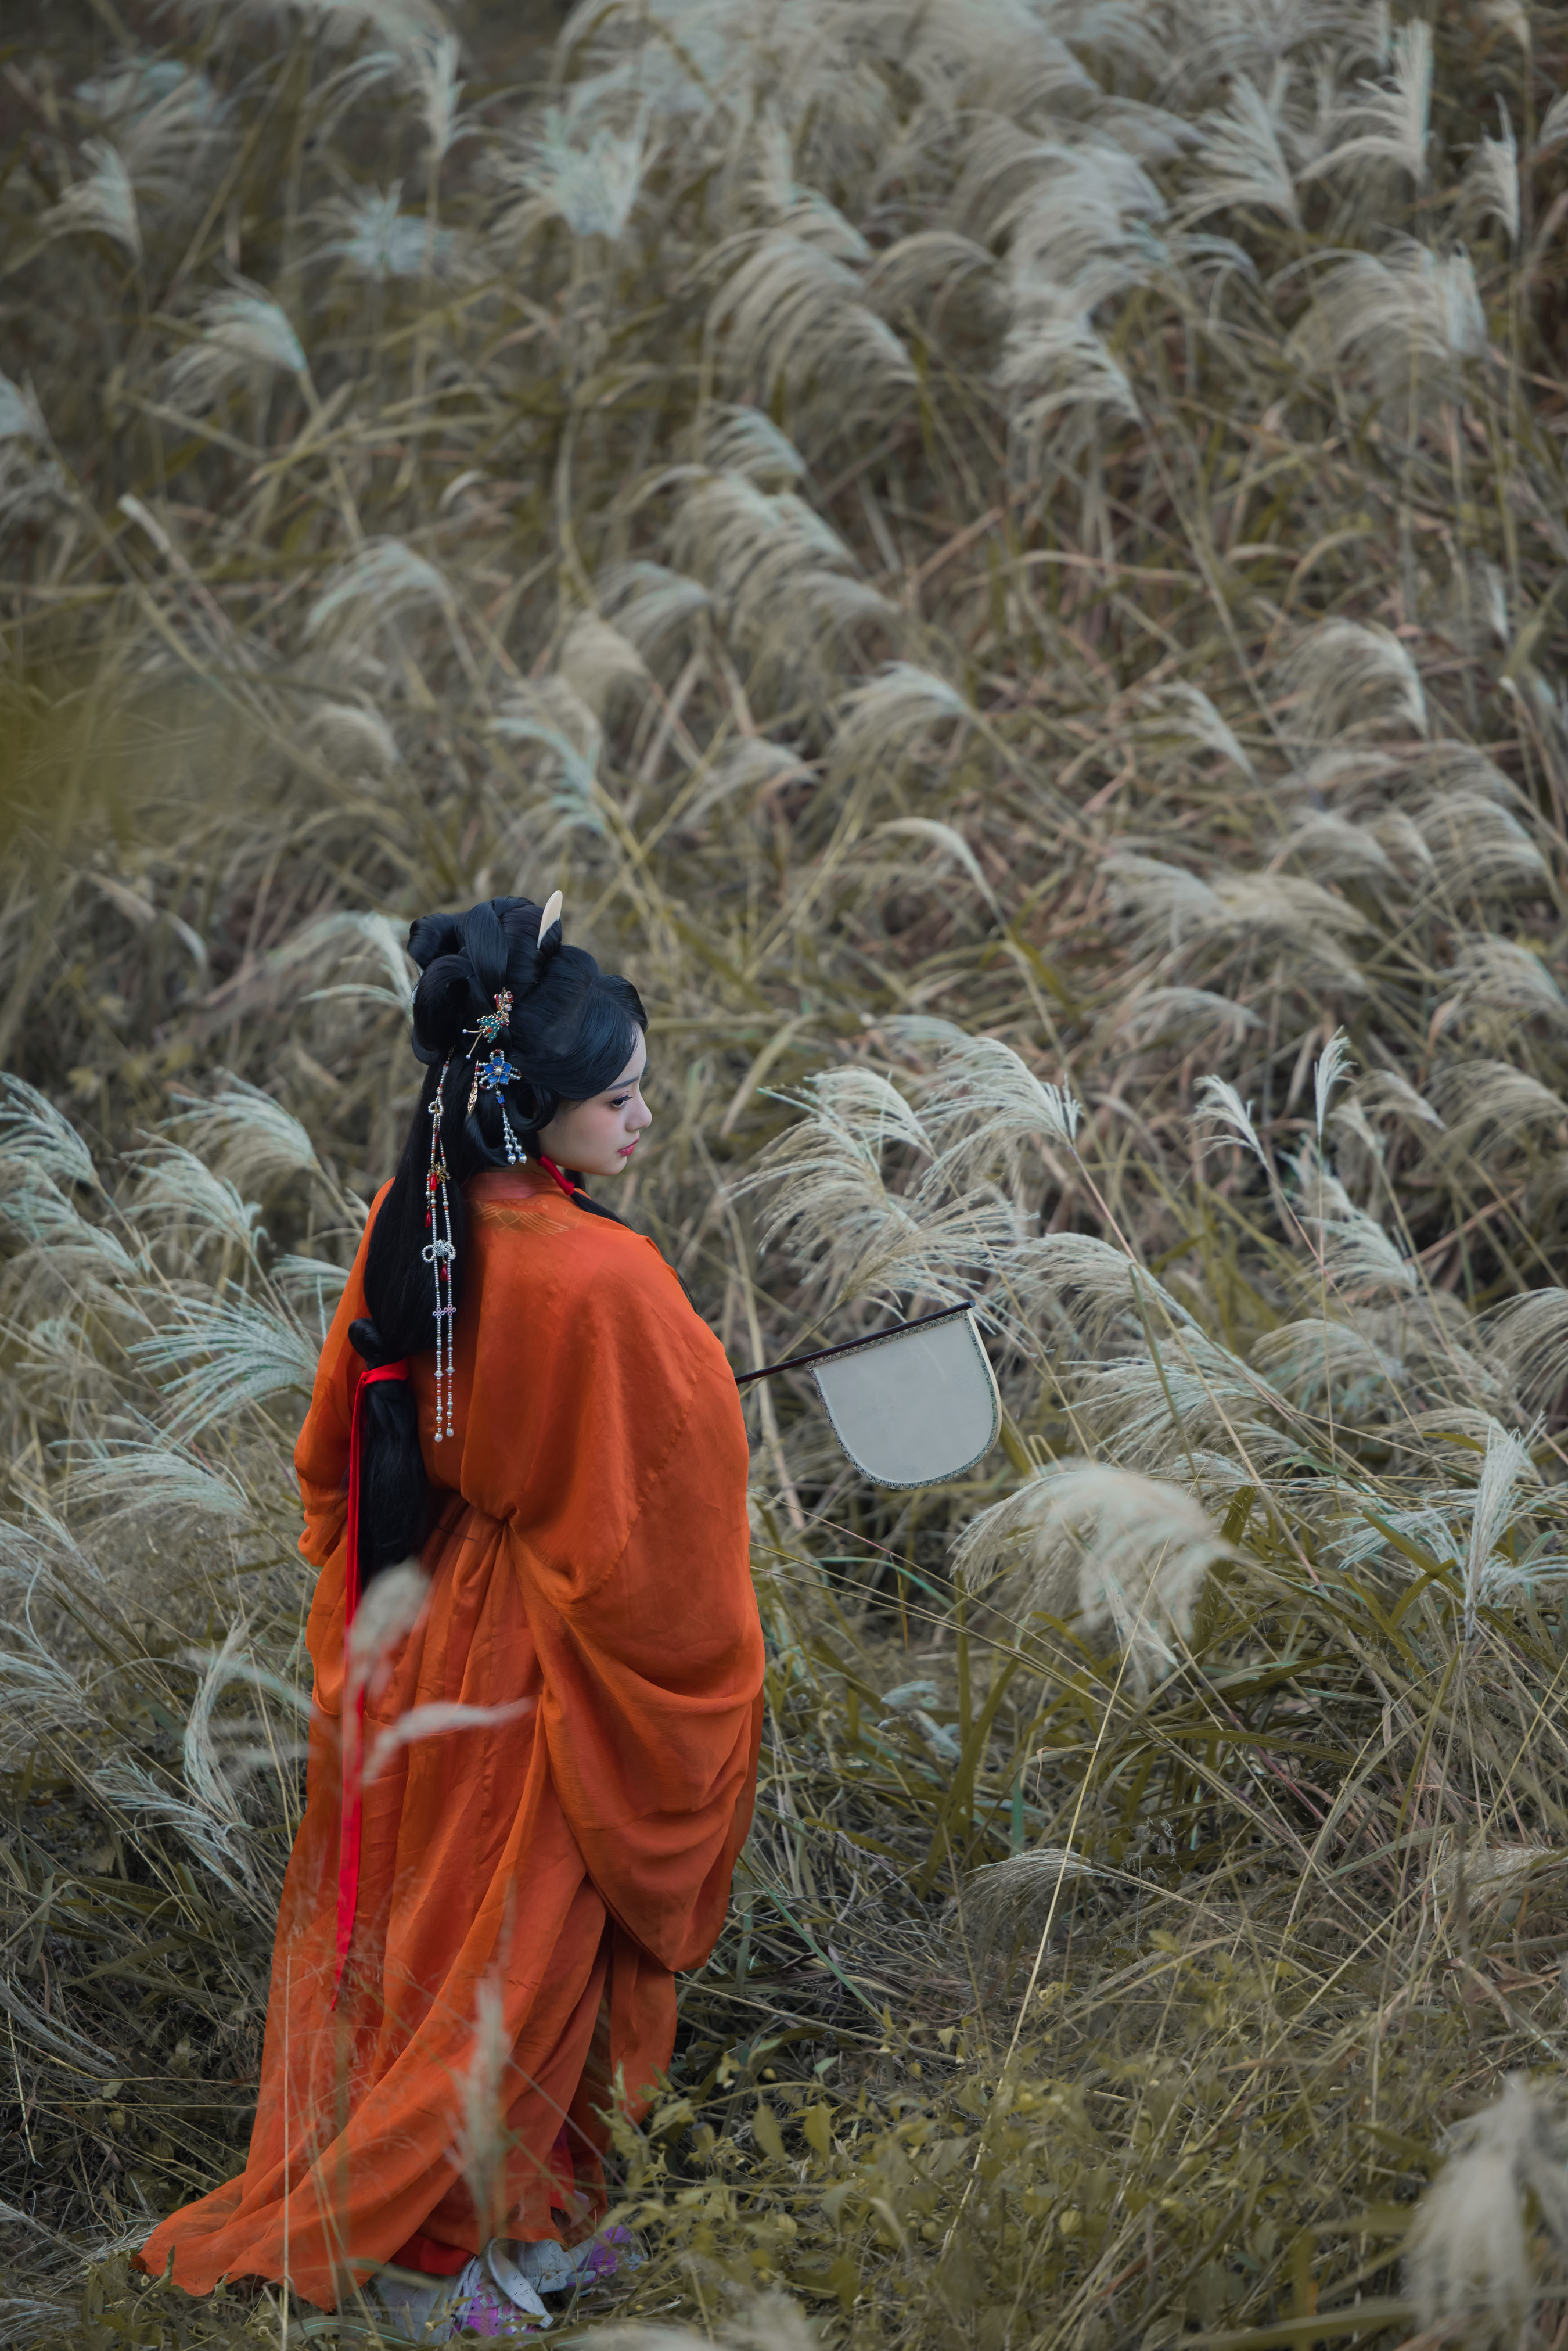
[616,1461]
[547,1860]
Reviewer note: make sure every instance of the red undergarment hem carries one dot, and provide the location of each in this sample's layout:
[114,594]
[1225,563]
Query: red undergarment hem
[429,2254]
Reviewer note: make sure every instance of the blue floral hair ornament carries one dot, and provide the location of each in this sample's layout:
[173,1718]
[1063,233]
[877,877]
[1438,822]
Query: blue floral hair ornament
[492,1077]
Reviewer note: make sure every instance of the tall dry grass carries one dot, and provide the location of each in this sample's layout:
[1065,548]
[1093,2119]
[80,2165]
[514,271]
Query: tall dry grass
[1007,556]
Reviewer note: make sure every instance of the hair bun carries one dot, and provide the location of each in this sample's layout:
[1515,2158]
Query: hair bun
[444,1007]
[367,1341]
[432,936]
[484,944]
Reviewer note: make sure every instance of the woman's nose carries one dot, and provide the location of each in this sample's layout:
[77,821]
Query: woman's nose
[641,1116]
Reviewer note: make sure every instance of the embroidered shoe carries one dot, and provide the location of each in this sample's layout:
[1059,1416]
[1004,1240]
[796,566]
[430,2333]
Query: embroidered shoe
[492,2298]
[611,2253]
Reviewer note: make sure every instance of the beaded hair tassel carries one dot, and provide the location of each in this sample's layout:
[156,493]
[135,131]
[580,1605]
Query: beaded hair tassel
[495,1073]
[438,1253]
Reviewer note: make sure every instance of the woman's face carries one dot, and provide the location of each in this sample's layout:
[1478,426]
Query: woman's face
[599,1136]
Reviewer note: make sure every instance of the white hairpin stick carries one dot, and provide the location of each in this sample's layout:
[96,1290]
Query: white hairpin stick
[551,915]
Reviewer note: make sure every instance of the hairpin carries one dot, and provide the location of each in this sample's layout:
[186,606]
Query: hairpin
[492,1077]
[438,1253]
[550,916]
[489,1025]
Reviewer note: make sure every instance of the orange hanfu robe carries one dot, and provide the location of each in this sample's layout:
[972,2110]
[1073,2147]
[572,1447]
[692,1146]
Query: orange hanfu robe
[555,1867]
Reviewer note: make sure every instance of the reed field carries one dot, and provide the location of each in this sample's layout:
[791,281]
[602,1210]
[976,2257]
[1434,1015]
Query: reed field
[1008,557]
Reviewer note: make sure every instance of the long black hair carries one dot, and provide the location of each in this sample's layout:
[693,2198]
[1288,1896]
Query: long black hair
[569,1031]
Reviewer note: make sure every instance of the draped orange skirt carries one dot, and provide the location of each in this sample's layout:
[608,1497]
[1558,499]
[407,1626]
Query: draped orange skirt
[528,1883]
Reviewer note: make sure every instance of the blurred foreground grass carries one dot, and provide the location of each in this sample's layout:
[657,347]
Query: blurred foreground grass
[988,545]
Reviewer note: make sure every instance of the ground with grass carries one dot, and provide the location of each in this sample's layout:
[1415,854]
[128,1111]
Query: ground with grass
[1007,556]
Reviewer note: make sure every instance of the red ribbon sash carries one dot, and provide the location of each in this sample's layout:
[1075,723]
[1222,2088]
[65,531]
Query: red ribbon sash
[352,1819]
[552,1170]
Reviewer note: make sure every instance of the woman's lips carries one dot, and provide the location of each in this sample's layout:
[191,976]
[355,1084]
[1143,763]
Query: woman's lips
[626,1150]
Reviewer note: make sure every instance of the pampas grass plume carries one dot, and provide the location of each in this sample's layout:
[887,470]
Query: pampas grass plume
[1466,2257]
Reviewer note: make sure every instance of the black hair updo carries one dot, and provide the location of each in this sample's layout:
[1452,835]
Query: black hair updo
[569,1032]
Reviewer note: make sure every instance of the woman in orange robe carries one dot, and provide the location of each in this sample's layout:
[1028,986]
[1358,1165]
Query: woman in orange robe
[456,2005]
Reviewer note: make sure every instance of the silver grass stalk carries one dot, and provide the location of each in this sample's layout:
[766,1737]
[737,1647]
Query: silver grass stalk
[1329,1068]
[179,1198]
[21,418]
[433,75]
[1503,975]
[398,26]
[205,1775]
[742,440]
[549,715]
[437,1720]
[1157,1408]
[126,1786]
[351,729]
[40,1694]
[1241,163]
[1405,312]
[833,1209]
[649,603]
[770,2322]
[376,239]
[243,336]
[1345,677]
[1487,1870]
[124,1477]
[1491,180]
[343,937]
[35,1135]
[103,204]
[1222,1111]
[222,1357]
[983,1094]
[1468,2262]
[1337,849]
[1104,1545]
[60,1249]
[482,2140]
[1476,846]
[888,718]
[379,580]
[593,187]
[245,1130]
[1504,1466]
[948,840]
[390,1607]
[596,661]
[1489,1103]
[1306,1359]
[774,566]
[934,265]
[1187,1012]
[1390,126]
[1389,1090]
[1526,1344]
[1185,710]
[1355,1251]
[796,304]
[753,768]
[1009,1902]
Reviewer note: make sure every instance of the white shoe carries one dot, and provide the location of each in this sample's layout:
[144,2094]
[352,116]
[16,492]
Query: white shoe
[492,2297]
[523,2269]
